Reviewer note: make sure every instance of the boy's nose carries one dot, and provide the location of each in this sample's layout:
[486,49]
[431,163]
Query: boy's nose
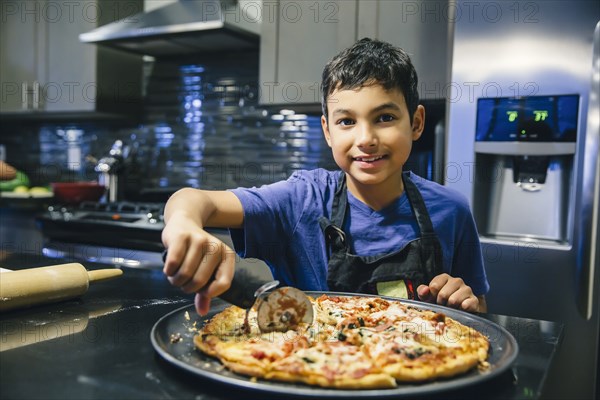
[366,136]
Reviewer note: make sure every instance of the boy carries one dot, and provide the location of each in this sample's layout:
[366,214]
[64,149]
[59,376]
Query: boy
[368,228]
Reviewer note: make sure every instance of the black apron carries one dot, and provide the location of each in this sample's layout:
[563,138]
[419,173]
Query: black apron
[394,274]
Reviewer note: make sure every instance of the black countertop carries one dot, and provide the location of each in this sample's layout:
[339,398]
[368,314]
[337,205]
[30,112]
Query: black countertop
[99,347]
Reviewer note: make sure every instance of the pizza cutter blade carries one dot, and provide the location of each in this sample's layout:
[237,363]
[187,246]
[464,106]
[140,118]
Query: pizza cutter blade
[283,309]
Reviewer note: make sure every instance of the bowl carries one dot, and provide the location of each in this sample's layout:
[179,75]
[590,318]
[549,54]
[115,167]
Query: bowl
[76,192]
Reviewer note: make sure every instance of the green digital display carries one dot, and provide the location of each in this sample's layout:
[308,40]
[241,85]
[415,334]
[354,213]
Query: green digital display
[512,115]
[538,115]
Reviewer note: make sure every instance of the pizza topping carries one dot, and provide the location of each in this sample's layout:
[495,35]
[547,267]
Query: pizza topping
[359,373]
[259,355]
[439,317]
[246,329]
[382,327]
[440,328]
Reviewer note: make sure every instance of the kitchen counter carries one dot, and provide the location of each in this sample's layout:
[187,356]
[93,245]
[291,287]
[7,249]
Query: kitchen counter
[99,347]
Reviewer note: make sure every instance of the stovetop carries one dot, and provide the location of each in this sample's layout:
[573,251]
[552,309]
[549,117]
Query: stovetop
[120,213]
[119,224]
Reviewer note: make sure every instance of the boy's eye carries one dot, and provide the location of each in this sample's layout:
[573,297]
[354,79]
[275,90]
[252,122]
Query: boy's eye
[385,118]
[345,122]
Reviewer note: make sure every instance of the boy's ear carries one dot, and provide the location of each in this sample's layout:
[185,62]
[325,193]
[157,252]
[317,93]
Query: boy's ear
[418,122]
[326,130]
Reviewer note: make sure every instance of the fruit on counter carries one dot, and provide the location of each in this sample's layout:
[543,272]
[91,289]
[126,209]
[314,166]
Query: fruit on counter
[21,189]
[9,185]
[39,190]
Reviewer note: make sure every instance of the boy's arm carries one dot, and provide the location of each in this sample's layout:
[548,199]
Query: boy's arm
[215,209]
[197,261]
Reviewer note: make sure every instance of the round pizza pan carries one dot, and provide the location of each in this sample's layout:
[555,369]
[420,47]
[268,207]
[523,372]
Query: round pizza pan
[172,337]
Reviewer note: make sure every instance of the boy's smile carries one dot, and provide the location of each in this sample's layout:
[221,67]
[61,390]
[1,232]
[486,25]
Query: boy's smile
[370,135]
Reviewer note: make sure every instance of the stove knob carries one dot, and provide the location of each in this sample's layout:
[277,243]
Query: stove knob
[152,218]
[54,213]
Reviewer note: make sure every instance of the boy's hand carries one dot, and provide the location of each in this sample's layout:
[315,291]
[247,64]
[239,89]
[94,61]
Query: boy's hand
[197,261]
[452,292]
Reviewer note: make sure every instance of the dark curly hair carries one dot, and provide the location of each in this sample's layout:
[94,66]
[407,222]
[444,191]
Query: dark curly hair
[371,61]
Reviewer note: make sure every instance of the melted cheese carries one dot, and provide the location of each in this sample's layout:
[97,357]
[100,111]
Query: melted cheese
[394,312]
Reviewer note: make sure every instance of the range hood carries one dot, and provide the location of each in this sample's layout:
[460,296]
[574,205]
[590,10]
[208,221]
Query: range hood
[183,28]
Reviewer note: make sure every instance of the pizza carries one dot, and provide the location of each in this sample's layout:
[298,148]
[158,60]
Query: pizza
[354,342]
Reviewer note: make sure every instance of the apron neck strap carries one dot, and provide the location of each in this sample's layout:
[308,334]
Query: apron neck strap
[418,205]
[340,204]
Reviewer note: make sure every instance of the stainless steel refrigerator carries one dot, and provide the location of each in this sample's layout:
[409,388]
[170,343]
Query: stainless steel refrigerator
[522,144]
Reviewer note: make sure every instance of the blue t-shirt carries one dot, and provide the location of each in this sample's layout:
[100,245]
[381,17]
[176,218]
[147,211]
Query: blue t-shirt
[281,228]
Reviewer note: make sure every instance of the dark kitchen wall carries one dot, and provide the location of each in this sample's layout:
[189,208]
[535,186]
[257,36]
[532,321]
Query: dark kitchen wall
[201,127]
[38,144]
[205,128]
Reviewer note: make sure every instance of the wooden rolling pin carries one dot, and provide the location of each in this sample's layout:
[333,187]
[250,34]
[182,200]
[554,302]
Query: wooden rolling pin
[41,285]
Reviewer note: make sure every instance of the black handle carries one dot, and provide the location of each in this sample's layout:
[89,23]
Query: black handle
[243,287]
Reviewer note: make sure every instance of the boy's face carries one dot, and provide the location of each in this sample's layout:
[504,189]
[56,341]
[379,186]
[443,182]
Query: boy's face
[370,135]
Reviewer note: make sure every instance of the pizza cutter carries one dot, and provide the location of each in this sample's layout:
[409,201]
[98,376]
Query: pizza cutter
[281,309]
[278,309]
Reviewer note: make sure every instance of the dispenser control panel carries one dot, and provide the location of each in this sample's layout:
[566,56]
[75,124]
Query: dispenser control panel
[527,119]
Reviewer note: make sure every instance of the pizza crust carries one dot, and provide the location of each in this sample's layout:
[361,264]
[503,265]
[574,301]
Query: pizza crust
[371,381]
[422,370]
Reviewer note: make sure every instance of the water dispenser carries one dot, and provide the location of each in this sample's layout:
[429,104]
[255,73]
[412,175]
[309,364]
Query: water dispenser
[524,154]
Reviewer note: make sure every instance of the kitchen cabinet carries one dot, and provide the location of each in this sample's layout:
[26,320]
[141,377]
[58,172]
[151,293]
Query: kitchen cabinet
[46,69]
[298,38]
[421,29]
[19,36]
